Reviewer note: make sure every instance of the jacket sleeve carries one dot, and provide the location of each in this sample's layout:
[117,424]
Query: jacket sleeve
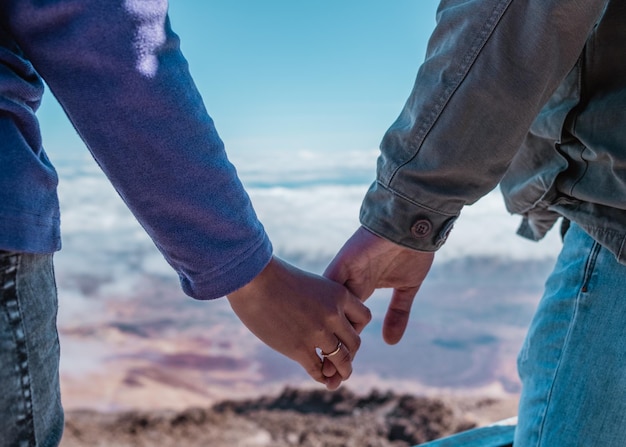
[117,70]
[490,67]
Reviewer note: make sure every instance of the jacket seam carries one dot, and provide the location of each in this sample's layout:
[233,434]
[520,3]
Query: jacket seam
[481,40]
[415,203]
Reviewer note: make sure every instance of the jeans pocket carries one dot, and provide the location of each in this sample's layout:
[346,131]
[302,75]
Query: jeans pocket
[590,266]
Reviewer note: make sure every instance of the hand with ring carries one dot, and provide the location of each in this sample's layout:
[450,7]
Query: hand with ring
[304,316]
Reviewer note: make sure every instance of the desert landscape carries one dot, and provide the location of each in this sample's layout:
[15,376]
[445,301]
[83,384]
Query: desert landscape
[159,369]
[294,417]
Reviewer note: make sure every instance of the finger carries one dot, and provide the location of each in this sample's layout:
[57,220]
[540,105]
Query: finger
[336,271]
[398,313]
[358,314]
[322,371]
[341,271]
[313,366]
[328,368]
[333,379]
[349,337]
[333,383]
[350,310]
[342,360]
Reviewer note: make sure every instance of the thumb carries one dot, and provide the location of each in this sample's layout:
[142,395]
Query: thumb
[356,280]
[398,312]
[336,270]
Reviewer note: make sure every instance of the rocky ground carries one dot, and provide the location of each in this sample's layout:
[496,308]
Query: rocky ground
[310,418]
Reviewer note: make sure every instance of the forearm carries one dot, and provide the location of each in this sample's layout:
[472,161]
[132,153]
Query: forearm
[117,70]
[490,67]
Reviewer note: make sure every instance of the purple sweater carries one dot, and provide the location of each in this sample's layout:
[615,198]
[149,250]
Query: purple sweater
[116,68]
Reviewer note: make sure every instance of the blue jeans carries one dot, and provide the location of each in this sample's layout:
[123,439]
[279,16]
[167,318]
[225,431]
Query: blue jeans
[573,362]
[30,401]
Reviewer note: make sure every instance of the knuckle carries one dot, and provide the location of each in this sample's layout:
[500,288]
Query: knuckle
[400,312]
[333,316]
[345,357]
[346,372]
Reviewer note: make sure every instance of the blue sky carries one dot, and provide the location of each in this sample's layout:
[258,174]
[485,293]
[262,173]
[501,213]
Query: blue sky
[286,74]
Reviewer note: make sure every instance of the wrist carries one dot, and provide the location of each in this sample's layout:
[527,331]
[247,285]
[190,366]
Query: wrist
[260,283]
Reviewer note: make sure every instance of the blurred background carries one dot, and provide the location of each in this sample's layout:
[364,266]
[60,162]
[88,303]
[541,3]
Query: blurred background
[301,93]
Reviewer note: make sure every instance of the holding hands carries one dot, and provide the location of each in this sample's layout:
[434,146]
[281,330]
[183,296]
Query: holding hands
[295,313]
[298,313]
[367,262]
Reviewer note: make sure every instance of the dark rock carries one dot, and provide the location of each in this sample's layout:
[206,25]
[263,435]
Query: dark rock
[308,418]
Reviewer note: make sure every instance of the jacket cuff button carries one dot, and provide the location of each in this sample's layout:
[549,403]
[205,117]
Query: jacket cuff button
[421,228]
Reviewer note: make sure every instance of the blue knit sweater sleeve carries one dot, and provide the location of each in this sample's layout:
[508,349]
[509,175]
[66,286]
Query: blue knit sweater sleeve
[116,68]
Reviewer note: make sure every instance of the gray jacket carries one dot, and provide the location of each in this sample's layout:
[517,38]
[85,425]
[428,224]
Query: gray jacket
[531,94]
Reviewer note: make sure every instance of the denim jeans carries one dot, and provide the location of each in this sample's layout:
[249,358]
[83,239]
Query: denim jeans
[573,362]
[30,401]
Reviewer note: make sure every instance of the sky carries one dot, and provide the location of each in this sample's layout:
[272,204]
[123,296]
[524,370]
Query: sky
[302,93]
[285,75]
